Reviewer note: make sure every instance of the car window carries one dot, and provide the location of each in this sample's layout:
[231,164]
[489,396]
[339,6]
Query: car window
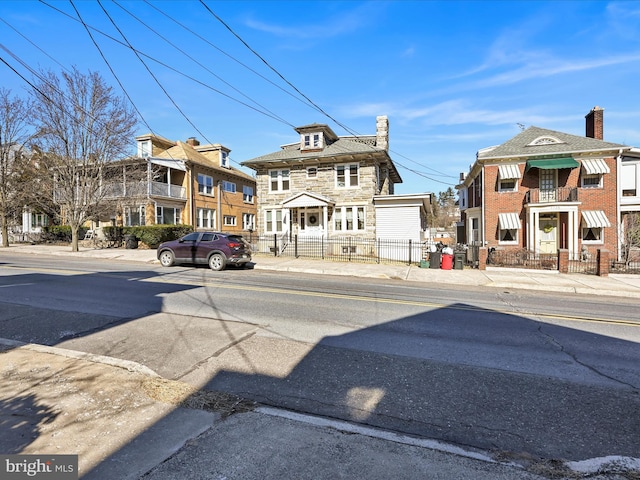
[235,238]
[206,237]
[192,237]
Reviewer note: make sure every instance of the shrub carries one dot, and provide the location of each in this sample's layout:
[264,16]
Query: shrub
[154,235]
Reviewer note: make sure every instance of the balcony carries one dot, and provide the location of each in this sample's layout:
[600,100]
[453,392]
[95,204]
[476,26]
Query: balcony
[168,190]
[553,195]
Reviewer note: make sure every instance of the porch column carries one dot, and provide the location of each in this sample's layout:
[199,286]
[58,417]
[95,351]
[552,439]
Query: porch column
[573,232]
[532,231]
[325,219]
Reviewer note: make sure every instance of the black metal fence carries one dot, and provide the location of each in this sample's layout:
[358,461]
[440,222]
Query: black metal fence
[522,258]
[343,249]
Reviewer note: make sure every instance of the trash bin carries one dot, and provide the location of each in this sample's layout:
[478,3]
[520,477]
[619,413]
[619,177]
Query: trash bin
[447,261]
[130,242]
[458,261]
[434,260]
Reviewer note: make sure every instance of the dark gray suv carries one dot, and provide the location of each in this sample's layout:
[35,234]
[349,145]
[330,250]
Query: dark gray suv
[213,248]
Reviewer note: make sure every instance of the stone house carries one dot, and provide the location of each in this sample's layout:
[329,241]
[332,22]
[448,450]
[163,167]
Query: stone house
[545,190]
[330,186]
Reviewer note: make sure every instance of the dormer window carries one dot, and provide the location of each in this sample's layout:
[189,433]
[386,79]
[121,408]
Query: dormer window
[311,141]
[144,148]
[224,159]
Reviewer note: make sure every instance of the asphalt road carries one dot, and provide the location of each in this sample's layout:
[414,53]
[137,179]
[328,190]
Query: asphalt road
[518,373]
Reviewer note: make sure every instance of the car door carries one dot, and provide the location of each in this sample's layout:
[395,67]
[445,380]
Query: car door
[185,250]
[203,247]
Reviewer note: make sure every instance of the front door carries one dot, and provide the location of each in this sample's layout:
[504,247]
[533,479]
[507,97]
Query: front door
[311,221]
[548,232]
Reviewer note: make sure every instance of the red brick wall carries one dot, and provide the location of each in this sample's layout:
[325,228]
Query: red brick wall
[496,202]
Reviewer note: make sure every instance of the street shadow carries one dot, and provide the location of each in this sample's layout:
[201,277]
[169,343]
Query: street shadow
[21,421]
[437,375]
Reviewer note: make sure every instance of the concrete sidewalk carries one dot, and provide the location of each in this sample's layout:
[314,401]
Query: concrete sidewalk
[618,285]
[126,422]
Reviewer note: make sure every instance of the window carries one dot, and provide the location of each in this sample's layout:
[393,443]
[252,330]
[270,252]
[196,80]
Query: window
[206,218]
[168,215]
[629,179]
[228,186]
[279,181]
[247,194]
[311,140]
[39,220]
[205,184]
[144,148]
[592,234]
[592,181]
[248,221]
[312,172]
[348,219]
[229,221]
[347,176]
[274,221]
[508,185]
[509,235]
[224,159]
[134,216]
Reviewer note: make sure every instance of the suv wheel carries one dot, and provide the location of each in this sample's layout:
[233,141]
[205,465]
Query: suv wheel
[217,262]
[166,258]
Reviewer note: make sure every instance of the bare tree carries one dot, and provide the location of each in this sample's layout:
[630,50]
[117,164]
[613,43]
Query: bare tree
[631,238]
[83,126]
[14,134]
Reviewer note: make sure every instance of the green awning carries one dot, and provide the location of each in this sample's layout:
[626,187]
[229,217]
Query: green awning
[552,163]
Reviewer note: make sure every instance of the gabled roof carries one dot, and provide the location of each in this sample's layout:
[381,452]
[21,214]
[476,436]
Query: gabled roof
[307,199]
[535,141]
[343,146]
[184,151]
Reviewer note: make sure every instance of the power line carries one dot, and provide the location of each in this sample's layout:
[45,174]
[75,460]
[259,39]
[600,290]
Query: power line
[186,54]
[311,102]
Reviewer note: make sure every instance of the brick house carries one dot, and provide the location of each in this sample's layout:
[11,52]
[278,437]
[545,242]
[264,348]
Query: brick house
[545,190]
[324,185]
[181,183]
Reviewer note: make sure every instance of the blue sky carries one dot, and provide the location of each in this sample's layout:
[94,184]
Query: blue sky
[453,77]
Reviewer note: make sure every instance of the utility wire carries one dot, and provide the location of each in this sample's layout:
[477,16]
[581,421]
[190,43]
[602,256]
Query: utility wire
[311,102]
[169,67]
[109,65]
[186,54]
[226,54]
[37,75]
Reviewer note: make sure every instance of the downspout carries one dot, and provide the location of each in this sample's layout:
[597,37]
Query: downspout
[618,201]
[219,211]
[483,227]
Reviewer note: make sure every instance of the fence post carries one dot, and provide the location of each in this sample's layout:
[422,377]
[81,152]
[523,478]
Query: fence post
[410,248]
[377,250]
[603,262]
[275,244]
[295,245]
[483,253]
[563,260]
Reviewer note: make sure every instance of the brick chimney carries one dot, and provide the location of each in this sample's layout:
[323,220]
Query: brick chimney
[382,132]
[595,123]
[192,141]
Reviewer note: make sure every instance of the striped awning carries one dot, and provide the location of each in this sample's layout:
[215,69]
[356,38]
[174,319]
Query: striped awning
[508,172]
[595,219]
[595,166]
[509,221]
